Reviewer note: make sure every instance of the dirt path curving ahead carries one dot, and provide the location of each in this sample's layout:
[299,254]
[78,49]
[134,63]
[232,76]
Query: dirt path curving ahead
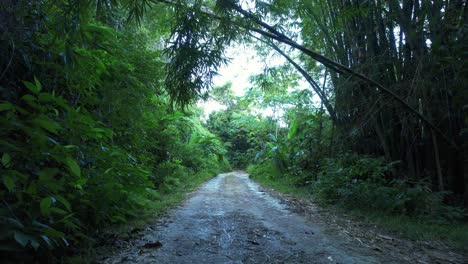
[230,220]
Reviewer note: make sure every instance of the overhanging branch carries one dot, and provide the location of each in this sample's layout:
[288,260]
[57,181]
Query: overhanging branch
[332,65]
[275,34]
[308,78]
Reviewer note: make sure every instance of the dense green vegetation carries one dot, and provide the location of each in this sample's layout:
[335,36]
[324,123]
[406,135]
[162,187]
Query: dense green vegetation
[88,135]
[379,132]
[414,226]
[98,120]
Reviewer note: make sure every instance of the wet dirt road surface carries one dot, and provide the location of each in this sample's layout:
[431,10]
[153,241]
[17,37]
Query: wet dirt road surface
[231,220]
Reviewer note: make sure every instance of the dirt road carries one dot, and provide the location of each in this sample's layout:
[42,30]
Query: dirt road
[230,220]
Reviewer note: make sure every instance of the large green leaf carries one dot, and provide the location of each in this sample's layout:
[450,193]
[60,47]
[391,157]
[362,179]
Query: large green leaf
[8,182]
[57,211]
[46,123]
[63,201]
[80,182]
[54,233]
[6,159]
[5,106]
[293,128]
[173,116]
[37,84]
[45,206]
[34,88]
[73,166]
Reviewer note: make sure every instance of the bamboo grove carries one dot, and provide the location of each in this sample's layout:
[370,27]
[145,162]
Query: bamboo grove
[415,48]
[397,71]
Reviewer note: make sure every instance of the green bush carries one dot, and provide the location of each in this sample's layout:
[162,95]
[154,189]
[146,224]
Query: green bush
[258,170]
[91,139]
[53,186]
[363,182]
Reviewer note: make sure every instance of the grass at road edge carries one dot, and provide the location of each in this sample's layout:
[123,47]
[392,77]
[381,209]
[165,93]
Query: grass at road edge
[412,228]
[454,235]
[165,201]
[175,196]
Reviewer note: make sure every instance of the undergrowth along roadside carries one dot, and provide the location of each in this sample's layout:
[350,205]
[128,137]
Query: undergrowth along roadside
[165,201]
[89,137]
[412,227]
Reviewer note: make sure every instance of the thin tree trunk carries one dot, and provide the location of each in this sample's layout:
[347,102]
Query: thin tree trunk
[437,162]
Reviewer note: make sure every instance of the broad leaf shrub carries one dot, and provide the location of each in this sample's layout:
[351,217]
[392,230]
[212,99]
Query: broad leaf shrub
[62,176]
[364,182]
[54,186]
[88,138]
[264,170]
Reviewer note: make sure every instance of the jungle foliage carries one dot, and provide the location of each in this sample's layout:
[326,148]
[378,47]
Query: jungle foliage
[88,135]
[97,117]
[388,132]
[394,76]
